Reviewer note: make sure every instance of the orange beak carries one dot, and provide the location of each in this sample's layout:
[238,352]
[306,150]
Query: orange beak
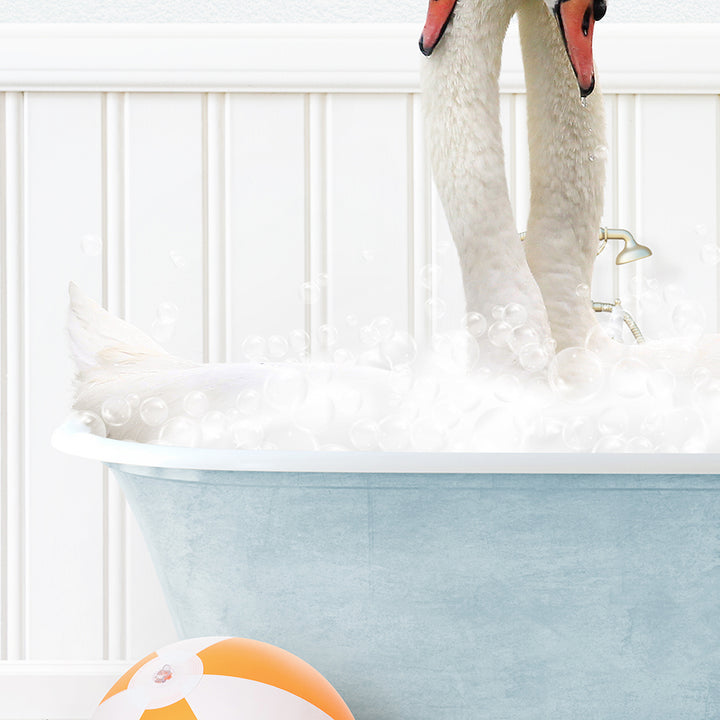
[577,21]
[438,17]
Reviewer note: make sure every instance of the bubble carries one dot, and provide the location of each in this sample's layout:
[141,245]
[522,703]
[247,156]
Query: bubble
[436,308]
[686,428]
[178,259]
[429,276]
[91,245]
[93,422]
[399,350]
[364,435]
[583,290]
[673,294]
[162,331]
[327,336]
[368,256]
[628,378]
[475,323]
[507,388]
[426,435]
[639,444]
[701,230]
[248,401]
[247,434]
[154,411]
[369,336]
[116,411]
[599,340]
[580,434]
[343,358]
[576,374]
[613,421]
[310,292]
[499,333]
[299,340]
[497,312]
[213,427]
[133,399]
[710,254]
[522,336]
[277,347]
[384,327]
[689,320]
[316,412]
[254,348]
[533,357]
[180,432]
[292,438]
[351,320]
[496,430]
[457,353]
[514,314]
[286,387]
[661,383]
[610,444]
[393,434]
[196,403]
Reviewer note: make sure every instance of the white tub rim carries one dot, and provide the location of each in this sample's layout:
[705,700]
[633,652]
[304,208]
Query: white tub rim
[74,438]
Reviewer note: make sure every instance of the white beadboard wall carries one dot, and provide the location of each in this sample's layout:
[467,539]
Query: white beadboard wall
[219,168]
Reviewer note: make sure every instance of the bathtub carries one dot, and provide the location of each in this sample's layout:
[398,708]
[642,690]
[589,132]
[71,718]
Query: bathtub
[447,586]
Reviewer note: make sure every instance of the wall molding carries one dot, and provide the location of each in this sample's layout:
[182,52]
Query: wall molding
[658,57]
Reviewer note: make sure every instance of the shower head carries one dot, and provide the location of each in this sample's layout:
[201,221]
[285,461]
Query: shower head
[632,250]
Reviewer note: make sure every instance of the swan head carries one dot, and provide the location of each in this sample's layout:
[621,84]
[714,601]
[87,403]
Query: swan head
[576,20]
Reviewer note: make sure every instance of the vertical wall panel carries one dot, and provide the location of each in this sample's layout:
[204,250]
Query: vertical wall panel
[677,194]
[164,222]
[63,241]
[368,232]
[267,222]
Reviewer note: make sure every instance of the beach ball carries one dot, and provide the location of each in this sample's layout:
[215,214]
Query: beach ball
[222,678]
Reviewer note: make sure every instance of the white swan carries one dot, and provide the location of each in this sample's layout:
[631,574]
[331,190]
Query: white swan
[461,96]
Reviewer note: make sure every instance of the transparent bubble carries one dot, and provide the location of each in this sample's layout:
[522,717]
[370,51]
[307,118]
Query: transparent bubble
[247,434]
[498,312]
[436,308]
[429,276]
[168,312]
[368,256]
[116,411]
[316,413]
[196,403]
[133,399]
[291,438]
[685,426]
[496,430]
[162,331]
[701,230]
[399,350]
[600,340]
[580,434]
[475,323]
[384,327]
[514,314]
[689,320]
[327,336]
[364,435]
[254,348]
[277,347]
[299,340]
[639,444]
[248,401]
[575,374]
[522,336]
[394,433]
[628,378]
[610,444]
[369,336]
[701,376]
[286,387]
[343,357]
[426,435]
[499,333]
[213,427]
[310,292]
[351,320]
[154,411]
[180,432]
[178,259]
[91,245]
[710,254]
[457,353]
[533,357]
[661,383]
[583,290]
[613,421]
[653,425]
[507,388]
[93,422]
[673,293]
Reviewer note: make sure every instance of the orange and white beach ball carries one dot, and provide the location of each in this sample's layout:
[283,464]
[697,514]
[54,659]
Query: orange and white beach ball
[222,679]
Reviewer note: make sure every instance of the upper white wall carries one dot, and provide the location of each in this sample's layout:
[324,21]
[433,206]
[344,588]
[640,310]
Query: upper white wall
[295,11]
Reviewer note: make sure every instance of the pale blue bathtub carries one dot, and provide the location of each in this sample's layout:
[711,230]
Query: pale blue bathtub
[448,587]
